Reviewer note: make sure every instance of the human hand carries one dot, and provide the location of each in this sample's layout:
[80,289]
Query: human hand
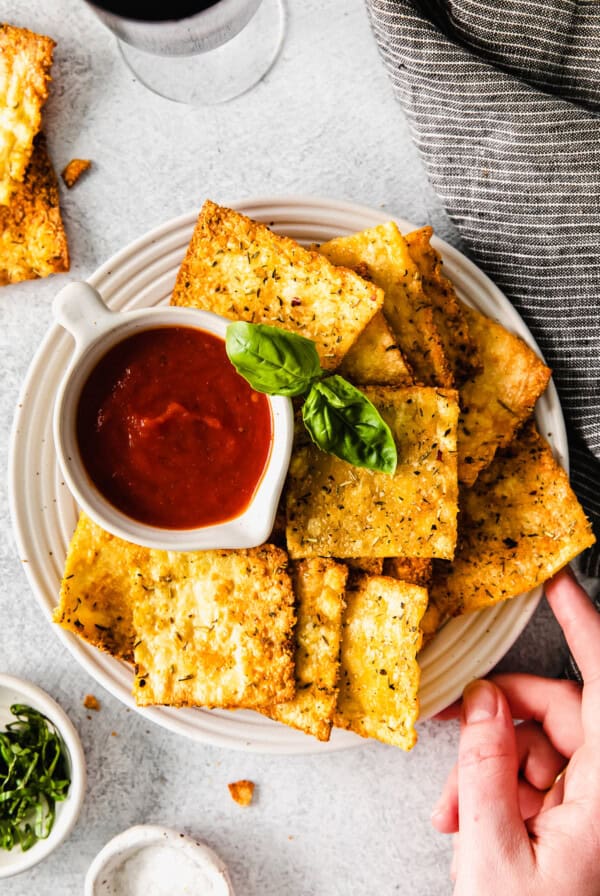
[524,801]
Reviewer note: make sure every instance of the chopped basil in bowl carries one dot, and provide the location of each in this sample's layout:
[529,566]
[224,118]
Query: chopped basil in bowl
[42,775]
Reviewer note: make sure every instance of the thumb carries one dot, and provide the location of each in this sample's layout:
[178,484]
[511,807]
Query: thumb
[488,769]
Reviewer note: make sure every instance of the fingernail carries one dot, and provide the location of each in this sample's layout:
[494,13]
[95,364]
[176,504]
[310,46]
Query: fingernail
[480,702]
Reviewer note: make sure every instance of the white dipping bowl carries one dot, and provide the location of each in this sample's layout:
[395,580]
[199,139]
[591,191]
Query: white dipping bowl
[96,329]
[140,844]
[16,690]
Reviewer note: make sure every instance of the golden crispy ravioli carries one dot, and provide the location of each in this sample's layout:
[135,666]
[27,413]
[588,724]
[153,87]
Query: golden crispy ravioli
[415,570]
[383,253]
[319,586]
[380,676]
[25,62]
[33,242]
[73,171]
[214,628]
[239,268]
[495,402]
[335,509]
[375,358]
[448,313]
[96,594]
[519,524]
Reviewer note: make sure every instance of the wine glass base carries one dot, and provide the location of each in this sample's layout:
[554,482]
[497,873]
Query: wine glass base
[218,75]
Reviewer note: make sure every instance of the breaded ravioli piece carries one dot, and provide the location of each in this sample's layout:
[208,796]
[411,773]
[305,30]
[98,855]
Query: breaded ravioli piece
[380,676]
[25,63]
[375,359]
[214,628]
[335,509]
[96,591]
[33,242]
[495,402]
[519,524]
[448,312]
[381,254]
[242,270]
[319,587]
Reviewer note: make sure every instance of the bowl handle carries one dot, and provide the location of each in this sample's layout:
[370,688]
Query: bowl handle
[79,308]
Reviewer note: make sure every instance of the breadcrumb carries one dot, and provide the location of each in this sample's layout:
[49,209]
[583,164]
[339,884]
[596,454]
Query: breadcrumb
[242,792]
[73,171]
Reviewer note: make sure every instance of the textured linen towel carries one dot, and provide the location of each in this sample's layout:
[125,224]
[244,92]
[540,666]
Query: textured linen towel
[503,101]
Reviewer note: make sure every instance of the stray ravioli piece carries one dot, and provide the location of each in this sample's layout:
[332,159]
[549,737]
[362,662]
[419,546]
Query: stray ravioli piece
[214,629]
[448,313]
[25,63]
[96,593]
[375,359]
[319,586]
[337,510]
[498,400]
[380,675]
[33,242]
[519,524]
[243,270]
[381,254]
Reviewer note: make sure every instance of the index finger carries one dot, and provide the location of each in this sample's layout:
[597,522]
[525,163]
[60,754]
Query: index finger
[580,622]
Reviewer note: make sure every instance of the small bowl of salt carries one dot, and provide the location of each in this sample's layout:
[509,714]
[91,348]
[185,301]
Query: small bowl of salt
[150,860]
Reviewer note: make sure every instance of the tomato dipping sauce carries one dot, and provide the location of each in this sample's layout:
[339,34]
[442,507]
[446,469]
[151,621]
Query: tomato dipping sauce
[170,433]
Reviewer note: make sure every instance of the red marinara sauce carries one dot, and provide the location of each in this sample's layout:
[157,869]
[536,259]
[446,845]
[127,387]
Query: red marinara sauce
[170,433]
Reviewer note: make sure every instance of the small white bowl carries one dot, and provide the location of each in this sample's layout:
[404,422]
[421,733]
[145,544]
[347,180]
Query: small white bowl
[16,690]
[142,845]
[96,329]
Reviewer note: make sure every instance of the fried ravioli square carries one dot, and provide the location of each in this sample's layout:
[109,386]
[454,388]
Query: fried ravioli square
[496,401]
[25,63]
[519,524]
[448,312]
[335,509]
[214,628]
[242,270]
[381,254]
[319,586]
[96,592]
[380,676]
[375,359]
[33,242]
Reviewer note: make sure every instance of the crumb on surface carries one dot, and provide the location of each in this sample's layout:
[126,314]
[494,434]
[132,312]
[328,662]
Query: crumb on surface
[242,792]
[73,171]
[91,702]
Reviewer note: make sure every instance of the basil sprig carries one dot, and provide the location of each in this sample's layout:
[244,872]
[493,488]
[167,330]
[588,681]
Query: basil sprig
[342,421]
[339,418]
[33,777]
[272,360]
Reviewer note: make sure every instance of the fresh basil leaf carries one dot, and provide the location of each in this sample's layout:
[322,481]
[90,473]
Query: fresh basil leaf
[272,360]
[342,421]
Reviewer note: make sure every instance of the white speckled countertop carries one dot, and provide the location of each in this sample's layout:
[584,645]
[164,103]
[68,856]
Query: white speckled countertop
[324,123]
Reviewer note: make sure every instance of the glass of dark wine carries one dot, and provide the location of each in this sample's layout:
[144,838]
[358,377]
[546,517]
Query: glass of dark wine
[197,52]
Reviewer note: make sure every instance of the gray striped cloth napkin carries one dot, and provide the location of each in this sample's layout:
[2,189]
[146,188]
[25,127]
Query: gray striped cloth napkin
[503,101]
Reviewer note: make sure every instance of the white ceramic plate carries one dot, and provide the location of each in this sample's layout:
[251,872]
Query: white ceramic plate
[44,513]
